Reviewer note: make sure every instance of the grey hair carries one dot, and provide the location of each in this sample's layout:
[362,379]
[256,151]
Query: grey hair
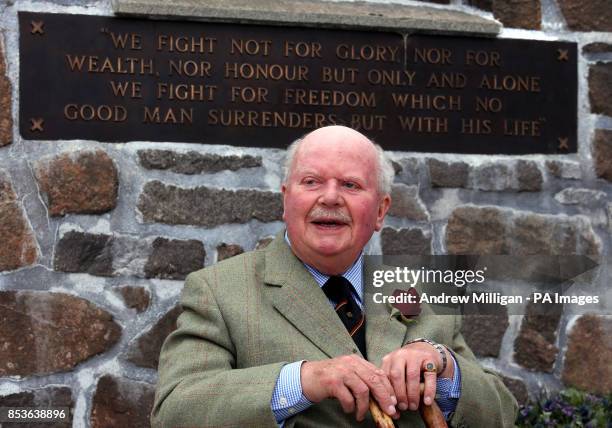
[386,172]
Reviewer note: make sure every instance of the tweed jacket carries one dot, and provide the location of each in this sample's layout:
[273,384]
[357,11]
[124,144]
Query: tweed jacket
[245,317]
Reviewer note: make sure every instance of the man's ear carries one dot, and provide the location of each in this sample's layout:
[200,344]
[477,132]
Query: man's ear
[383,207]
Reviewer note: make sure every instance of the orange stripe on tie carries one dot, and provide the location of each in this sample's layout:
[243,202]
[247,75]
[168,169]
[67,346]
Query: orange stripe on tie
[342,303]
[359,324]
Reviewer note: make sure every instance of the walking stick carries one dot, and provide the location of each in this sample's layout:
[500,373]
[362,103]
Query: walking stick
[382,420]
[432,415]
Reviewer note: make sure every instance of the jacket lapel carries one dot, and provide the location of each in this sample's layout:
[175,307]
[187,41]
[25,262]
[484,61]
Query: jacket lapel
[298,297]
[384,332]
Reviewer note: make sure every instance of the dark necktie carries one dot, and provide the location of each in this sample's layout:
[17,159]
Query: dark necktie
[338,290]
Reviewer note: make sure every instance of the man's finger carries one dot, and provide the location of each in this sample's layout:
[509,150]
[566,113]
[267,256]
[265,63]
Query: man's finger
[381,377]
[345,397]
[361,394]
[387,384]
[413,379]
[430,375]
[396,371]
[379,386]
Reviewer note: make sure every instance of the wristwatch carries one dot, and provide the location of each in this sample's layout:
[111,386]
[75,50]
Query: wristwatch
[441,350]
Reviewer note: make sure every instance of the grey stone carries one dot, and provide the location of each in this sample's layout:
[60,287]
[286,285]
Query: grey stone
[44,332]
[84,252]
[597,47]
[144,350]
[264,242]
[130,255]
[120,402]
[529,176]
[546,234]
[204,206]
[105,255]
[492,177]
[448,174]
[359,15]
[137,298]
[513,13]
[7,194]
[535,344]
[174,259]
[50,396]
[397,168]
[405,241]
[409,171]
[194,162]
[6,110]
[577,196]
[563,169]
[83,182]
[484,333]
[589,351]
[533,352]
[18,246]
[534,236]
[609,211]
[225,251]
[602,153]
[544,318]
[518,388]
[600,88]
[405,203]
[592,15]
[492,230]
[477,230]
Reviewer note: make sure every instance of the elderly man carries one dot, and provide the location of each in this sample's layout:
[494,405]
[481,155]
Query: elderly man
[290,335]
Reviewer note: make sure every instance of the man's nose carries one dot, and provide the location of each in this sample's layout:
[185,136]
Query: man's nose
[331,194]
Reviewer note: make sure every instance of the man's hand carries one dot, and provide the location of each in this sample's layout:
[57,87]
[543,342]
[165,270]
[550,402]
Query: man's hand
[403,367]
[350,379]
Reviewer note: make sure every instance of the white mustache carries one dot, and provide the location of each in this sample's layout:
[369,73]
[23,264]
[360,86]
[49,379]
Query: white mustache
[322,213]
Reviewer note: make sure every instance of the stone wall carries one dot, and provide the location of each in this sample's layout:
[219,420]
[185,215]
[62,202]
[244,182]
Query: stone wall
[96,238]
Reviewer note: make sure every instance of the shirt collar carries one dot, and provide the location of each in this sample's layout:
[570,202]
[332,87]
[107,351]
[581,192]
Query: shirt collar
[354,274]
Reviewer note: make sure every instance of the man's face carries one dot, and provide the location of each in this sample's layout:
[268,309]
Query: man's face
[331,200]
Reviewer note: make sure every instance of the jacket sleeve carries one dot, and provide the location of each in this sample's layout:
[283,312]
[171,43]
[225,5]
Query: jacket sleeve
[484,397]
[199,384]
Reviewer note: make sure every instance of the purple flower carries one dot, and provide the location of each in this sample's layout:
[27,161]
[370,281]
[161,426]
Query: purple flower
[408,310]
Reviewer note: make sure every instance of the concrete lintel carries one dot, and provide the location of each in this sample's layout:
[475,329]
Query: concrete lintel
[316,13]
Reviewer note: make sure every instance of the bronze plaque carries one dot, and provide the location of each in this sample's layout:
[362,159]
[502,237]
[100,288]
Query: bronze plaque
[116,80]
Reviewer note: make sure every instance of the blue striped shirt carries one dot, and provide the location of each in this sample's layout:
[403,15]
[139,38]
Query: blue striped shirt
[287,397]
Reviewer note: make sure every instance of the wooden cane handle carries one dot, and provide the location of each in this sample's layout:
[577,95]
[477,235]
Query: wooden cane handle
[381,419]
[432,415]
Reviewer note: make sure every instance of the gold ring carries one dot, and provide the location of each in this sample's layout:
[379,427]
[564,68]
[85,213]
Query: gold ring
[430,368]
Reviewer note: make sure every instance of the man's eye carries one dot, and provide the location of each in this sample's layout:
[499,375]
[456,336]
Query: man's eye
[309,181]
[350,185]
